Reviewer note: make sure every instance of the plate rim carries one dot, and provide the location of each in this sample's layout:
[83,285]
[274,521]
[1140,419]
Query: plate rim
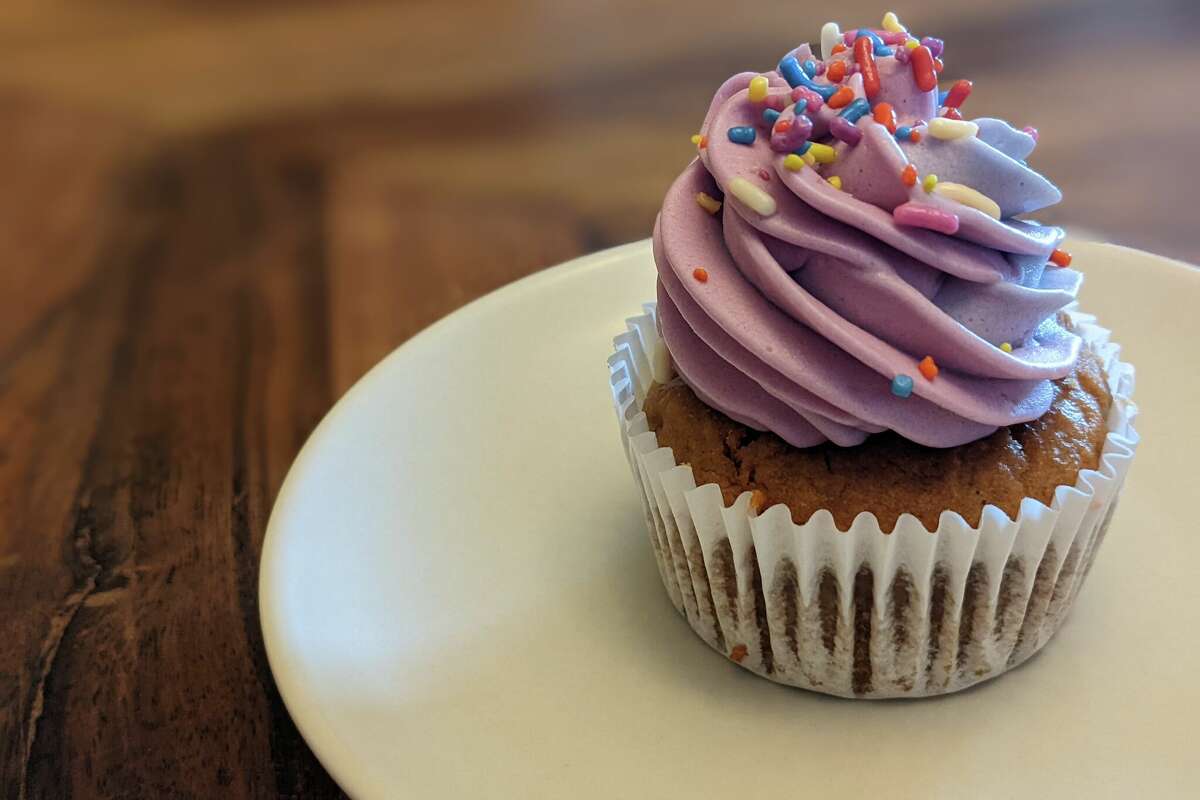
[334,754]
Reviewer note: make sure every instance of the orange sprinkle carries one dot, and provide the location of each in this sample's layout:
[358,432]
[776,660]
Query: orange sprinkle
[951,113]
[885,116]
[739,653]
[838,48]
[841,97]
[757,500]
[928,368]
[909,175]
[836,71]
[1061,258]
[700,274]
[914,137]
[938,65]
[783,126]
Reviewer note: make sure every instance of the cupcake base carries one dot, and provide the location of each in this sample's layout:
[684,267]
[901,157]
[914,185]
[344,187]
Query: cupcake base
[860,612]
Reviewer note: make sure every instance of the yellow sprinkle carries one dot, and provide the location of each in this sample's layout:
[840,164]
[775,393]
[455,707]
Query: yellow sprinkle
[946,128]
[972,198]
[758,88]
[793,162]
[709,204]
[823,153]
[752,196]
[809,159]
[891,23]
[929,182]
[911,44]
[835,181]
[1006,347]
[696,139]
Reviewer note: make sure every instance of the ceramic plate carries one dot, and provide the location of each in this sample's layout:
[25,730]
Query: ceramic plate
[459,599]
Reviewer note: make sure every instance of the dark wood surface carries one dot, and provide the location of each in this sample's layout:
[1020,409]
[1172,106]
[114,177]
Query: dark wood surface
[216,216]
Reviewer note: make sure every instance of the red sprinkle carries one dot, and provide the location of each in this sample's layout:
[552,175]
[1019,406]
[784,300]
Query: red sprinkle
[959,92]
[938,66]
[838,48]
[914,136]
[700,274]
[885,116]
[766,176]
[864,56]
[928,368]
[783,126]
[952,113]
[703,142]
[922,68]
[739,653]
[836,71]
[909,175]
[841,97]
[1061,258]
[1032,131]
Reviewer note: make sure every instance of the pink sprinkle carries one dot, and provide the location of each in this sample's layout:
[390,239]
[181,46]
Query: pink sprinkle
[902,55]
[820,67]
[890,37]
[1032,131]
[920,215]
[815,101]
[766,176]
[776,101]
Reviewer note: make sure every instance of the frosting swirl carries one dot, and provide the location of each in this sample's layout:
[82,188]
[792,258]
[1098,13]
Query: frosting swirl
[911,298]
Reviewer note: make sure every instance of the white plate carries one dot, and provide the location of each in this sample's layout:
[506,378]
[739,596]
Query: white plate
[459,599]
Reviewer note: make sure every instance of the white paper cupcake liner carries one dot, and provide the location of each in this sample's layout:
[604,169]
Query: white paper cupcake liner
[861,613]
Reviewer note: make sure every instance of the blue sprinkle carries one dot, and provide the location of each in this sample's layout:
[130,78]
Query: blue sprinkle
[793,73]
[802,149]
[884,50]
[855,111]
[790,69]
[770,115]
[903,132]
[801,106]
[809,67]
[942,97]
[870,34]
[902,386]
[741,134]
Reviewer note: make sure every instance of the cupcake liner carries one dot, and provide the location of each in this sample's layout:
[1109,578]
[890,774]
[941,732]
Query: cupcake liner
[861,613]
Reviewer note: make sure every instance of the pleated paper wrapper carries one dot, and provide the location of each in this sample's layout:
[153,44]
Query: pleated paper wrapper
[861,613]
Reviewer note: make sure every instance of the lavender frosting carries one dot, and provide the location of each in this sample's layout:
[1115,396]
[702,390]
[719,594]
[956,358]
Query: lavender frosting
[811,308]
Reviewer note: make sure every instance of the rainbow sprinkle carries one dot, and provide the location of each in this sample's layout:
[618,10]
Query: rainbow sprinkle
[965,195]
[758,88]
[708,203]
[741,134]
[754,198]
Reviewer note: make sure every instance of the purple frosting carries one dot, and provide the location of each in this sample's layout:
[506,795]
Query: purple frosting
[811,309]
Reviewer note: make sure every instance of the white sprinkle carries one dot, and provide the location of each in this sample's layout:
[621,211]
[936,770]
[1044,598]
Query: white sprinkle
[972,198]
[751,195]
[660,363]
[831,34]
[945,128]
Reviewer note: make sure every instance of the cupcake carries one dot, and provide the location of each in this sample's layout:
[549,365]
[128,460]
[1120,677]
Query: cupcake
[877,443]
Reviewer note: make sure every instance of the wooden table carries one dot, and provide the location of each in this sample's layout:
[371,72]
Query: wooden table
[216,217]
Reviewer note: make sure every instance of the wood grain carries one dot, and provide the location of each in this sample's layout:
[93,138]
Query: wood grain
[217,216]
